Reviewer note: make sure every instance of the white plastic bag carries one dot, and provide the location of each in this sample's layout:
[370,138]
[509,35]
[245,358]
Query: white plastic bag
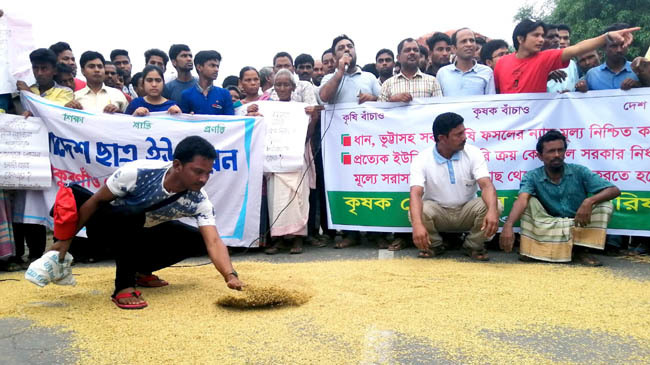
[48,269]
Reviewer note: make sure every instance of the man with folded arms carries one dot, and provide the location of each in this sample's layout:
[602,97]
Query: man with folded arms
[560,205]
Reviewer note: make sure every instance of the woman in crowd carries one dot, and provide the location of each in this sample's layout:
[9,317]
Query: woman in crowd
[249,84]
[153,83]
[288,192]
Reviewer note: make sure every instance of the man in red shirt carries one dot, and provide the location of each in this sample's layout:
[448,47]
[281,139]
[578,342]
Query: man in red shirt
[526,71]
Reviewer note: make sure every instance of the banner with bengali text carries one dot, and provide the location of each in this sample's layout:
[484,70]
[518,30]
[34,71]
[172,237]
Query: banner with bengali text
[88,147]
[368,148]
[24,157]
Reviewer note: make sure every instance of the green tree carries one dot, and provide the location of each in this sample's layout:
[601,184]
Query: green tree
[588,18]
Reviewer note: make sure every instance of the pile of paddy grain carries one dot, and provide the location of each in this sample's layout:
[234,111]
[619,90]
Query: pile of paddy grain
[263,296]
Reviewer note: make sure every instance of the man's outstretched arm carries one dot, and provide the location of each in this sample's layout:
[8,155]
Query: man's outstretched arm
[623,36]
[218,253]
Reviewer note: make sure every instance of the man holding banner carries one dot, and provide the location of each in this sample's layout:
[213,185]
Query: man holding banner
[145,197]
[555,209]
[447,175]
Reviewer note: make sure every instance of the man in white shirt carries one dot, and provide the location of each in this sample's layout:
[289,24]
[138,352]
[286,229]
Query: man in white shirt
[96,97]
[444,179]
[135,212]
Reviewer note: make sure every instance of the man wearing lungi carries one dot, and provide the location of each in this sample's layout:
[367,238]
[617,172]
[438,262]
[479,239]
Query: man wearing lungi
[560,205]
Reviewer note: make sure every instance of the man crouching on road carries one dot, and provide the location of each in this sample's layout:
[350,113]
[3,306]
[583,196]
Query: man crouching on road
[561,205]
[447,175]
[135,213]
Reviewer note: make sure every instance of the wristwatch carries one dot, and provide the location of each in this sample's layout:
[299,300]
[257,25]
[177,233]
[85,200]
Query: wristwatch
[234,273]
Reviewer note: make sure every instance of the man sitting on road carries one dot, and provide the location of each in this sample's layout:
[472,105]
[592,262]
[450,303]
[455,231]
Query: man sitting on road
[560,205]
[151,240]
[447,175]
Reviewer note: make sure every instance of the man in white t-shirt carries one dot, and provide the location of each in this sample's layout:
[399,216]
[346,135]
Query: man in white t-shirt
[145,197]
[444,179]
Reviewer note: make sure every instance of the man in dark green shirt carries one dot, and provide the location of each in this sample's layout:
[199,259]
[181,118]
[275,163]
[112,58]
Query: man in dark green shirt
[562,205]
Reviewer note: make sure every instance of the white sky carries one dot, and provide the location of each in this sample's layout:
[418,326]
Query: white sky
[251,32]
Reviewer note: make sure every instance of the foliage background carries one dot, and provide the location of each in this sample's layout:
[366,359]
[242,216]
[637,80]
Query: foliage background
[588,18]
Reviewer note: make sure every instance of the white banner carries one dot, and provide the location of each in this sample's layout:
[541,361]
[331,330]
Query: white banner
[368,150]
[89,147]
[24,157]
[16,43]
[286,131]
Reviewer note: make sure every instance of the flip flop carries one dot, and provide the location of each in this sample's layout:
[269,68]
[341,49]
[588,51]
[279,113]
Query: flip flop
[397,244]
[136,294]
[432,252]
[478,255]
[425,254]
[296,248]
[149,281]
[346,242]
[588,260]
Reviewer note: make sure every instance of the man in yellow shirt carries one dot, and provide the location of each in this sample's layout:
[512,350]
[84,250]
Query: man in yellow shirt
[44,67]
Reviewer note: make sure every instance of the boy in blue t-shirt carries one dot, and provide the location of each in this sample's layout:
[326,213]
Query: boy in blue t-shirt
[204,97]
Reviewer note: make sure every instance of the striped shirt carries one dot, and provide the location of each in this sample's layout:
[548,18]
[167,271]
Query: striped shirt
[420,86]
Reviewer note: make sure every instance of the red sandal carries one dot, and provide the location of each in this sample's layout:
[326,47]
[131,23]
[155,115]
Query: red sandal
[150,281]
[136,294]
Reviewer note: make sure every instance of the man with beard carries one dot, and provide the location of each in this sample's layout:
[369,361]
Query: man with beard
[304,65]
[465,76]
[329,65]
[440,46]
[551,37]
[384,63]
[97,97]
[566,79]
[560,205]
[110,71]
[357,86]
[181,57]
[410,83]
[121,59]
[348,84]
[444,180]
[65,56]
[318,73]
[616,72]
[204,97]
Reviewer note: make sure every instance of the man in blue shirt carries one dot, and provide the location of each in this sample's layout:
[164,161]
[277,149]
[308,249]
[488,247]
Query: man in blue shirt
[465,76]
[181,57]
[562,205]
[616,72]
[358,87]
[204,97]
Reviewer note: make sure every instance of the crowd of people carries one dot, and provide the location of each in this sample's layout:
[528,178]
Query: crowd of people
[543,60]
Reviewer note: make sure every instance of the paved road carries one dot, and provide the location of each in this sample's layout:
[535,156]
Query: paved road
[22,343]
